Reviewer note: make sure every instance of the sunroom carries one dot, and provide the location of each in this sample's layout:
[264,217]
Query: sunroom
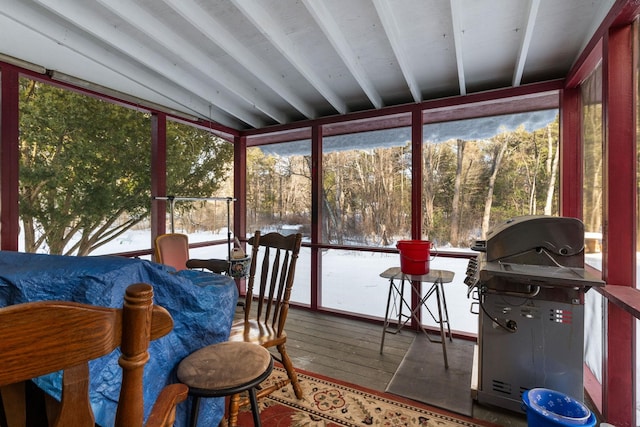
[358,124]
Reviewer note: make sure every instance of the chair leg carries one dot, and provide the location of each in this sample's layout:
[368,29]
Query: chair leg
[195,409]
[234,408]
[254,407]
[224,422]
[291,372]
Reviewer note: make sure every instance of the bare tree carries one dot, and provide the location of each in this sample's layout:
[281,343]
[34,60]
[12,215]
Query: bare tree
[552,169]
[498,149]
[455,204]
[431,163]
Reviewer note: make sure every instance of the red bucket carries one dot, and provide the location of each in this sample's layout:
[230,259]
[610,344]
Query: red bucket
[414,256]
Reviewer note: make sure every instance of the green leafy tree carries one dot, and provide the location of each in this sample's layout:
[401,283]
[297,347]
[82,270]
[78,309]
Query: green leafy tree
[85,168]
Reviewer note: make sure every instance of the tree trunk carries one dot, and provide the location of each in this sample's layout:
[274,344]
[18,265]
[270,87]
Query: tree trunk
[29,234]
[498,154]
[455,204]
[428,185]
[551,187]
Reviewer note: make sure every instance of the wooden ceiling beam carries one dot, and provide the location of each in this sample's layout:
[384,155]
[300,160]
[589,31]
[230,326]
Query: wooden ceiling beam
[255,12]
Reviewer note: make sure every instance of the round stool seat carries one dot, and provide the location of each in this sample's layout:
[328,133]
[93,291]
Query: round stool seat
[225,369]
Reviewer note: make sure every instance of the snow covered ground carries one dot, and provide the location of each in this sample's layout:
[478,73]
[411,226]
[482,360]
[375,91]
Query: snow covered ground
[351,279]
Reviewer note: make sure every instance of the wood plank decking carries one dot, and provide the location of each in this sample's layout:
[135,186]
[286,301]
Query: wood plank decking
[349,350]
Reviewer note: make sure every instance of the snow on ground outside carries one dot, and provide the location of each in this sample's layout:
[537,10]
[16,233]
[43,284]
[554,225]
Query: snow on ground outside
[350,278]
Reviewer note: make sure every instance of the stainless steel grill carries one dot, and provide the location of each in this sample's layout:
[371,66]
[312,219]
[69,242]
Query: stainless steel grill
[529,283]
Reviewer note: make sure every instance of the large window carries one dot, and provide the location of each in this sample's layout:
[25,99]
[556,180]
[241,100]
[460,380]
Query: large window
[366,201]
[279,199]
[279,187]
[506,164]
[84,170]
[481,172]
[200,176]
[366,181]
[85,186]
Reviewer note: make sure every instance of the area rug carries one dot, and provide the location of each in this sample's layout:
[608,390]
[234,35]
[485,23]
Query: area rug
[329,402]
[421,375]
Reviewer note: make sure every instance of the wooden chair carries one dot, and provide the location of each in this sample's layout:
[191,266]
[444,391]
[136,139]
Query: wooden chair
[42,337]
[274,258]
[173,249]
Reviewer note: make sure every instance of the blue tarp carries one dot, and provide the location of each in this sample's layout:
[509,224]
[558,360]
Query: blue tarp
[202,305]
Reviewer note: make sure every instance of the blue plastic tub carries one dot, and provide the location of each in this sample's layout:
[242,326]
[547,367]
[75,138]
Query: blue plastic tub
[550,408]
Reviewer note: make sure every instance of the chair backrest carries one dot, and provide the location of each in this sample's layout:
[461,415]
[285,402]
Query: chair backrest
[42,337]
[172,249]
[273,260]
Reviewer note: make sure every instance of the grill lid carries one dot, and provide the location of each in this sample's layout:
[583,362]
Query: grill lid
[562,237]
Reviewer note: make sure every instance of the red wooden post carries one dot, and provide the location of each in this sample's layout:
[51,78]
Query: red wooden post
[158,174]
[571,154]
[10,158]
[619,226]
[316,215]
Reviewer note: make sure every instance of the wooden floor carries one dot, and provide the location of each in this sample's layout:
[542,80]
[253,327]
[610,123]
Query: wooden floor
[349,350]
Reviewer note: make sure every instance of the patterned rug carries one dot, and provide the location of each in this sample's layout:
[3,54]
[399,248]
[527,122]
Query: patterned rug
[330,403]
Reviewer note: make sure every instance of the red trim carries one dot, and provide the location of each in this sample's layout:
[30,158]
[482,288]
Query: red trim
[416,201]
[618,405]
[216,129]
[416,175]
[522,104]
[619,219]
[587,63]
[620,176]
[10,157]
[278,137]
[158,174]
[356,126]
[571,154]
[625,297]
[240,194]
[240,186]
[593,388]
[316,216]
[626,11]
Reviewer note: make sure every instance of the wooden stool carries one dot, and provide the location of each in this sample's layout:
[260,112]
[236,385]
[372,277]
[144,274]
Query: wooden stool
[225,369]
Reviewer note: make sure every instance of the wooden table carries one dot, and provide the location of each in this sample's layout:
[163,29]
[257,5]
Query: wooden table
[396,300]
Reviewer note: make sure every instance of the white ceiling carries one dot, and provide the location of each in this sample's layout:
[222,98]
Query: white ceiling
[254,63]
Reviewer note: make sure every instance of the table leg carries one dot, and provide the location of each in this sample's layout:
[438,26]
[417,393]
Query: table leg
[423,303]
[443,338]
[446,311]
[398,304]
[401,304]
[386,315]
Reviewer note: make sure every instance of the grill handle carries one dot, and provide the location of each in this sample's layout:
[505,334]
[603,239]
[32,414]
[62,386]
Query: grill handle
[535,291]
